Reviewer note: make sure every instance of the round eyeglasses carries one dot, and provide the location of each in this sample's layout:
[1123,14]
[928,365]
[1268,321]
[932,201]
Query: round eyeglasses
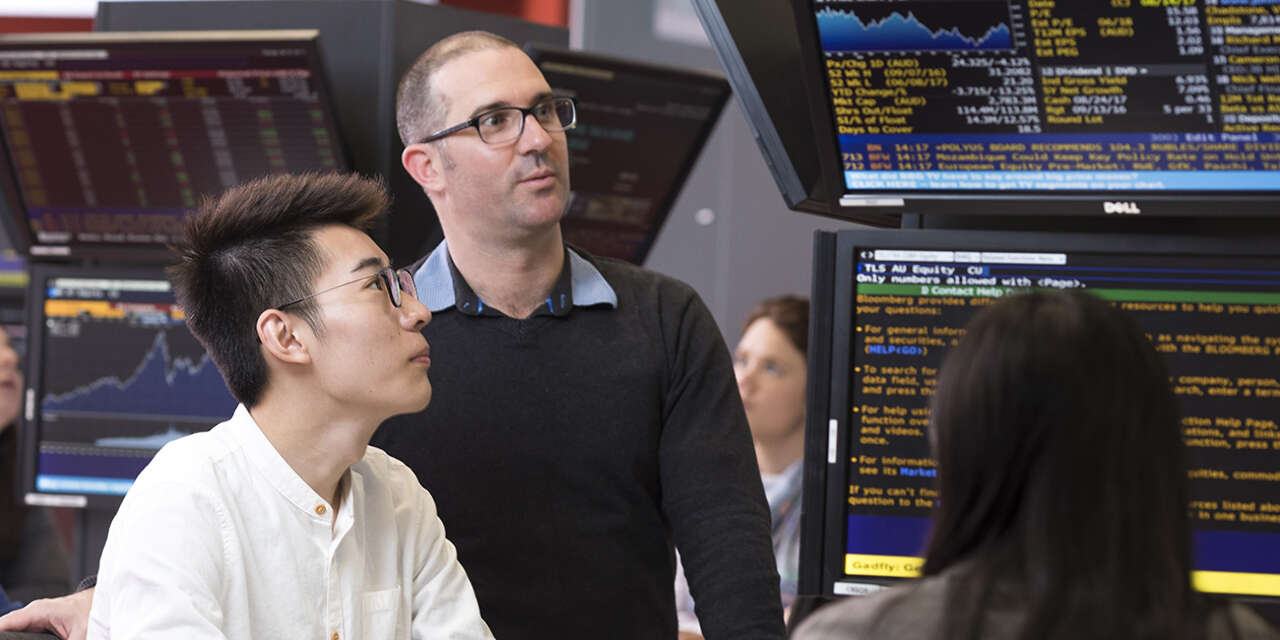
[392,281]
[500,126]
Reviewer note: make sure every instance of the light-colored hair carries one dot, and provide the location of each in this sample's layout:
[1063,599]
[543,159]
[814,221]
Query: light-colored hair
[418,111]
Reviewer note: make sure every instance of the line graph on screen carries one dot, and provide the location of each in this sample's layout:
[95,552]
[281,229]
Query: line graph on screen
[161,387]
[870,27]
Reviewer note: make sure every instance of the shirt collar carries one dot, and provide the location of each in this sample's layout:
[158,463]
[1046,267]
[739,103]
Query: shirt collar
[441,286]
[245,430]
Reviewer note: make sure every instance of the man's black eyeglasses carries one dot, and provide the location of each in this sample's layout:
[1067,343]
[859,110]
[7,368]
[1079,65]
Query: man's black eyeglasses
[392,281]
[504,125]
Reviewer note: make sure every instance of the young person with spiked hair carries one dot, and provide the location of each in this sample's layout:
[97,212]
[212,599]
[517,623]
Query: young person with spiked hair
[282,521]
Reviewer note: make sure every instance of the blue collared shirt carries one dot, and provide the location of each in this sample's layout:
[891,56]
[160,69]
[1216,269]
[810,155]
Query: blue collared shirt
[436,278]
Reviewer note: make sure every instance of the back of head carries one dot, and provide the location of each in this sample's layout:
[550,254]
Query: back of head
[419,110]
[249,250]
[1060,463]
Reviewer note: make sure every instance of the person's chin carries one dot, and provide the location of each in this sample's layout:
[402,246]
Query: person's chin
[424,400]
[541,214]
[413,400]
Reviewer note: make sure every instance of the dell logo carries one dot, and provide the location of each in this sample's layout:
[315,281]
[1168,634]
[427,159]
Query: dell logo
[1128,208]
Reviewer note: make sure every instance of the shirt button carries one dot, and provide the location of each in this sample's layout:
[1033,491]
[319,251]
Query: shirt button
[320,511]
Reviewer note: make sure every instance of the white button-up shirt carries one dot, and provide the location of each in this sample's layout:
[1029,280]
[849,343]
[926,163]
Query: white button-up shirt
[220,538]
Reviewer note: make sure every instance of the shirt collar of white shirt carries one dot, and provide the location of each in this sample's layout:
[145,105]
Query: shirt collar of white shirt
[263,455]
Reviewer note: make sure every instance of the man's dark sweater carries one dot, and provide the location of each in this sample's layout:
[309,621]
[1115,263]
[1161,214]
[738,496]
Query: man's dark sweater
[567,452]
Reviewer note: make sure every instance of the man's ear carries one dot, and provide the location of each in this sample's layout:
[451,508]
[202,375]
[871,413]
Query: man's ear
[423,162]
[276,333]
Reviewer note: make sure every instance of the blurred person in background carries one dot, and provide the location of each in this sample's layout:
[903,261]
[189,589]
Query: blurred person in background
[1063,492]
[770,366]
[32,562]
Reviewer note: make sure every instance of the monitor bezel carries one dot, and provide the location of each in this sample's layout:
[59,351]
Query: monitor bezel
[763,128]
[960,204]
[826,529]
[739,57]
[17,220]
[541,53]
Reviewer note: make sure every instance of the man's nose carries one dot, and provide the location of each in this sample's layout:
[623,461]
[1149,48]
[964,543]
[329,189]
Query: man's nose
[413,314]
[534,137]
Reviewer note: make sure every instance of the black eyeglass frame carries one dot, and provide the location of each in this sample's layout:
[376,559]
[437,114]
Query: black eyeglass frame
[525,112]
[391,283]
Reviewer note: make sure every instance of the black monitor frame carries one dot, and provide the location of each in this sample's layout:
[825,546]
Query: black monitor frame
[965,204]
[541,54]
[30,423]
[800,194]
[17,223]
[758,47]
[828,424]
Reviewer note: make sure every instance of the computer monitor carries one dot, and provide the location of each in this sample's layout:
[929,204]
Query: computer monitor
[756,43]
[13,291]
[890,304]
[640,130]
[1017,107]
[109,139]
[112,375]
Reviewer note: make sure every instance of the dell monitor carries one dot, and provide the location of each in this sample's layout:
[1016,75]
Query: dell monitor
[1029,107]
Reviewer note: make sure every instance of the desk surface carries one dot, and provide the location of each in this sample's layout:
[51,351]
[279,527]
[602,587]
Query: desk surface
[22,635]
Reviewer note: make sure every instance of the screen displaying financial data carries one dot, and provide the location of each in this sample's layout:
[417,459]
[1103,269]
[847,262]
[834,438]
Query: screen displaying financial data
[968,96]
[1214,317]
[113,138]
[116,376]
[640,129]
[13,292]
[13,289]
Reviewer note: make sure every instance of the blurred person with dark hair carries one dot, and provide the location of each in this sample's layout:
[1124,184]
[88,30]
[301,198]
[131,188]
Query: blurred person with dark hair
[1063,492]
[770,365]
[32,562]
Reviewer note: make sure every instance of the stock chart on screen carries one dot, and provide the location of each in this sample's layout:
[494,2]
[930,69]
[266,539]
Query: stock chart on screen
[120,376]
[1051,95]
